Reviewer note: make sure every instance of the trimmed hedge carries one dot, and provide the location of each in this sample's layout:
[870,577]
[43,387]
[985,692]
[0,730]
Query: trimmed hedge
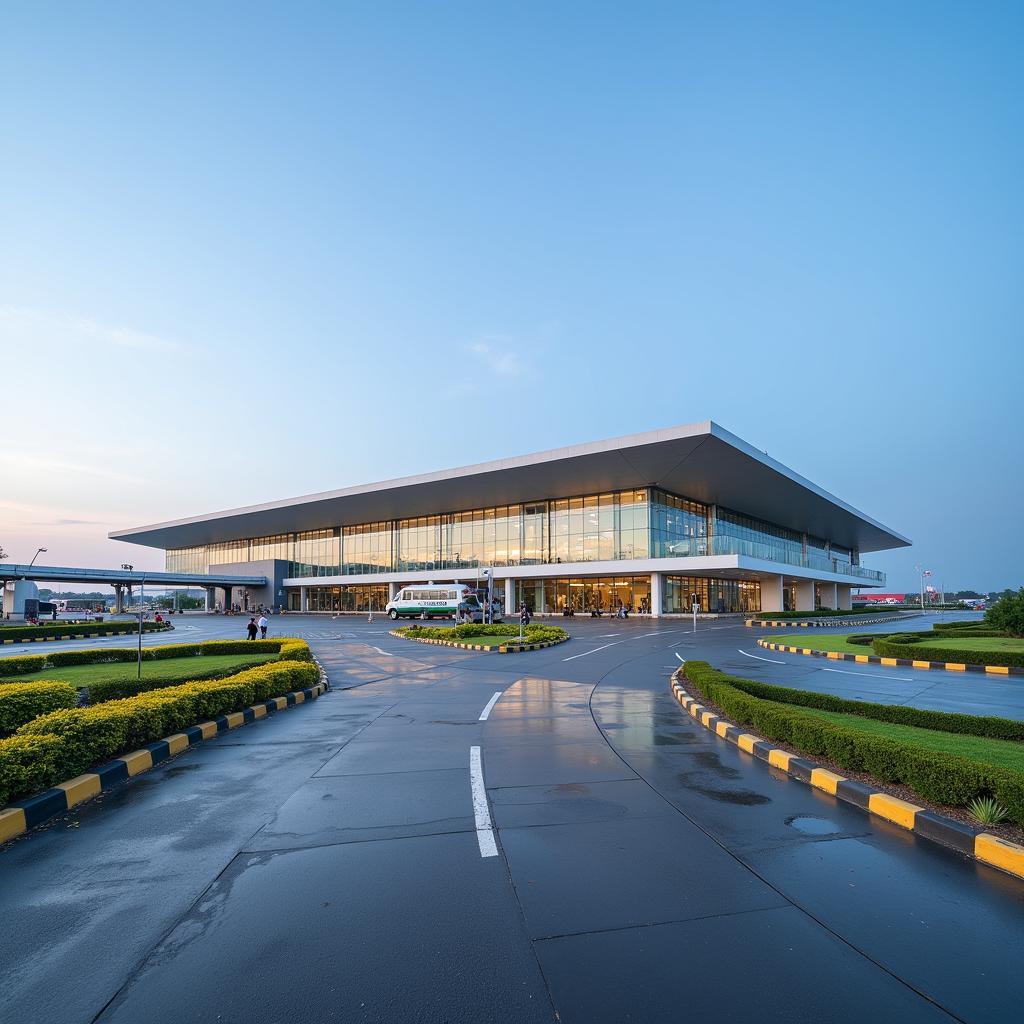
[22,665]
[940,721]
[66,743]
[937,777]
[822,613]
[118,689]
[21,702]
[532,634]
[78,629]
[910,645]
[296,650]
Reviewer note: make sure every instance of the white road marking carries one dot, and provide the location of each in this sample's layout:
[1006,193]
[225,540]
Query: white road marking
[680,657]
[759,658]
[868,675]
[481,813]
[490,704]
[387,654]
[594,650]
[604,636]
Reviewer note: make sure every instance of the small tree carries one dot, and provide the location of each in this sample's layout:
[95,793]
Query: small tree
[3,554]
[1007,613]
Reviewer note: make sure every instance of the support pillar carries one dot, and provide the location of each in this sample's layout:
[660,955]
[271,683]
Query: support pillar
[229,595]
[209,599]
[844,596]
[118,599]
[771,594]
[303,599]
[393,589]
[657,595]
[510,597]
[827,597]
[804,596]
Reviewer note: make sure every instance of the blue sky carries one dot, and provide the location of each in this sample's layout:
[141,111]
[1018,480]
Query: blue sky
[241,240]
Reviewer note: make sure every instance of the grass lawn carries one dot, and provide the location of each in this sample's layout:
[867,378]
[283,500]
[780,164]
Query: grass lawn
[1004,753]
[489,640]
[169,668]
[980,643]
[822,642]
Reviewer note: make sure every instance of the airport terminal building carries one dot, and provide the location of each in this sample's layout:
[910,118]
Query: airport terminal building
[643,521]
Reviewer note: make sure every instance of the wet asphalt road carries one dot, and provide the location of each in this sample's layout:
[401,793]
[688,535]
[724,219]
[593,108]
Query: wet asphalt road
[326,863]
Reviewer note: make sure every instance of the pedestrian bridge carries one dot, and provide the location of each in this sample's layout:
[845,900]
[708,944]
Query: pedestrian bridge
[122,579]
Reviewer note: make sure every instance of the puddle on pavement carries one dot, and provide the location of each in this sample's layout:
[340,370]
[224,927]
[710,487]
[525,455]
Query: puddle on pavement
[813,826]
[743,797]
[709,760]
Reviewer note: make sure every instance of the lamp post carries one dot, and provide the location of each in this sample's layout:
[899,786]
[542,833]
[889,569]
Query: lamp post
[39,551]
[142,601]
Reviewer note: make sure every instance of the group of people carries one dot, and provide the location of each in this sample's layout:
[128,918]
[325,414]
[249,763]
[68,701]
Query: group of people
[259,625]
[622,612]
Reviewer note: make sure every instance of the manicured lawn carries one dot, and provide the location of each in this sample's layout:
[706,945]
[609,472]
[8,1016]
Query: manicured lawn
[980,643]
[1004,753]
[169,668]
[489,640]
[822,642]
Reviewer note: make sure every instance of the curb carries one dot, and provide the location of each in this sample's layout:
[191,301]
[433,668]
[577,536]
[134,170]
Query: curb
[85,636]
[874,659]
[498,649]
[23,815]
[790,624]
[981,846]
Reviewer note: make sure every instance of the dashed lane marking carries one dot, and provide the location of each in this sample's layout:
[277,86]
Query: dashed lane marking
[679,656]
[490,704]
[481,812]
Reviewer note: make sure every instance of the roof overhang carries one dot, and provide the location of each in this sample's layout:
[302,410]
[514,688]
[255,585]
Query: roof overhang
[701,461]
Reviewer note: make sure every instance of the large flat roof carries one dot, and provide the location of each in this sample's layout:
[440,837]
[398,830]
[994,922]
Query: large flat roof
[702,461]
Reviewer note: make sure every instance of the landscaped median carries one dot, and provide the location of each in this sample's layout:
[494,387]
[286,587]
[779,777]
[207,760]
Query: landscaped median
[500,639]
[952,647]
[55,740]
[76,631]
[776,621]
[954,761]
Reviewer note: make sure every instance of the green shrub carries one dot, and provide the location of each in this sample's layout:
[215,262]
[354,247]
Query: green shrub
[823,613]
[52,629]
[938,778]
[1007,614]
[898,714]
[85,736]
[117,689]
[21,702]
[27,764]
[987,810]
[22,665]
[911,645]
[534,633]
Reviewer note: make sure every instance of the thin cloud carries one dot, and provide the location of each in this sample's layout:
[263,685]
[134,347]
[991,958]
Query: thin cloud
[506,361]
[21,325]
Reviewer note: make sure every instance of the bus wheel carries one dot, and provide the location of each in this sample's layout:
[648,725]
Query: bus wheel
[393,614]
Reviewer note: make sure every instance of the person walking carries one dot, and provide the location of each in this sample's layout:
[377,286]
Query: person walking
[263,624]
[252,628]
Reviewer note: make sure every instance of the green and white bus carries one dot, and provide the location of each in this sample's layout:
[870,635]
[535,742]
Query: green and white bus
[430,600]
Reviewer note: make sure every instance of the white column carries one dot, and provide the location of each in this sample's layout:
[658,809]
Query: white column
[828,595]
[392,591]
[845,600]
[510,597]
[303,599]
[771,594]
[656,597]
[804,596]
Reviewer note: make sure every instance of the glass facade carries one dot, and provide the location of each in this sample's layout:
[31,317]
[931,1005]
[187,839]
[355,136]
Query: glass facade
[713,595]
[359,597]
[606,527]
[586,594]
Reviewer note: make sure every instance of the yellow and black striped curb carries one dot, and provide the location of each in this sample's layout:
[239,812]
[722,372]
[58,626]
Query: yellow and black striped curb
[874,659]
[509,648]
[790,624]
[983,846]
[22,815]
[86,636]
